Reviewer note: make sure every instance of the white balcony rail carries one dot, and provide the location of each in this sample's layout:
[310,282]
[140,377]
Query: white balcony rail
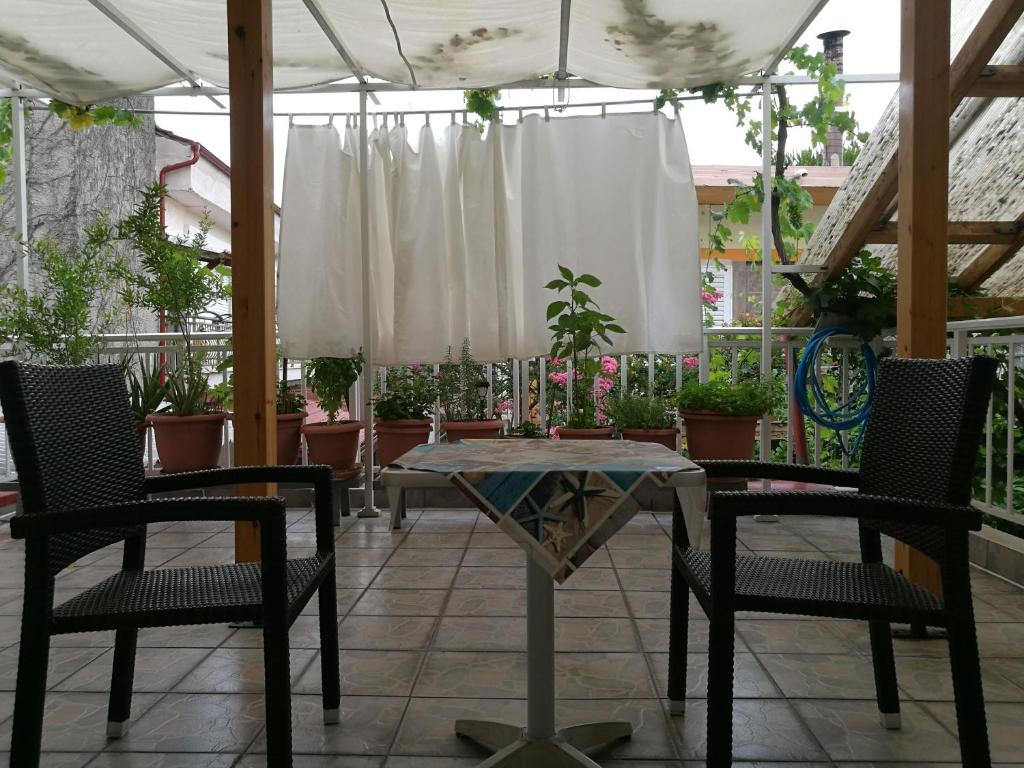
[732,350]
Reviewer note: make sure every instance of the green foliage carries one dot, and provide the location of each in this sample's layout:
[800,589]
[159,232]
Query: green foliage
[528,429]
[6,136]
[410,394]
[174,277]
[188,393]
[864,294]
[457,384]
[331,379]
[640,412]
[483,103]
[59,323]
[80,117]
[146,387]
[289,400]
[577,334]
[744,398]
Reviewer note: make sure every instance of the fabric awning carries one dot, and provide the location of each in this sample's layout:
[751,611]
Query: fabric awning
[72,50]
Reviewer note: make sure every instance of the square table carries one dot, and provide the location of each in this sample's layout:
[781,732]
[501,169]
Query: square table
[560,500]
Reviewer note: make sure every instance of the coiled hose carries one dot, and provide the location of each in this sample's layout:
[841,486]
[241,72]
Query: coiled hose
[847,415]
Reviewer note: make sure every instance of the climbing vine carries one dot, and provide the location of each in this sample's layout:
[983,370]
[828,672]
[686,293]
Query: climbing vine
[482,102]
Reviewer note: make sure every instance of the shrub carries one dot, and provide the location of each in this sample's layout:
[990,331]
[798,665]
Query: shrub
[746,398]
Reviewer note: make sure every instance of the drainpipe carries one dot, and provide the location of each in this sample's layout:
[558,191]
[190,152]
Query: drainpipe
[832,42]
[162,177]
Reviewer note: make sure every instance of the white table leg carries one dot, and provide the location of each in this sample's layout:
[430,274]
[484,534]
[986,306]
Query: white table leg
[539,744]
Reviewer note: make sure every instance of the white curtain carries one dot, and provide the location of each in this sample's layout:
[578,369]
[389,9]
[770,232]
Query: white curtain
[466,231]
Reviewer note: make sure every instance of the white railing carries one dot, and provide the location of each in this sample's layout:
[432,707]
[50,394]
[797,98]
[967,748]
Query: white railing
[735,349]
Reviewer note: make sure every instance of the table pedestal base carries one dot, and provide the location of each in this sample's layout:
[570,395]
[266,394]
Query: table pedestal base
[513,748]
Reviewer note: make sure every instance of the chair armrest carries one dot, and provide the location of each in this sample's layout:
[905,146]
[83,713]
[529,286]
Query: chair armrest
[846,478]
[260,509]
[296,473]
[843,504]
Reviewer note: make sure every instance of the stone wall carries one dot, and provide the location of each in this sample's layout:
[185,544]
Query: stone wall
[73,175]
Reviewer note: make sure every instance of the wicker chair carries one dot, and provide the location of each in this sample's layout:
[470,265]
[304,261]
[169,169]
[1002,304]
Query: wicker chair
[83,488]
[914,484]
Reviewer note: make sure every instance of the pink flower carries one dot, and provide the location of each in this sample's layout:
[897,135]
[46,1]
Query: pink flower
[505,406]
[605,384]
[553,433]
[558,378]
[691,362]
[415,367]
[710,297]
[554,361]
[609,364]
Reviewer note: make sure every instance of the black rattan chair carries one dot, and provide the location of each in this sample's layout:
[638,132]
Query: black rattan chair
[914,484]
[83,488]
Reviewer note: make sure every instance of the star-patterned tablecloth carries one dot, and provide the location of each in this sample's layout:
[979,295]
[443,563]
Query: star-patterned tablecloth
[560,500]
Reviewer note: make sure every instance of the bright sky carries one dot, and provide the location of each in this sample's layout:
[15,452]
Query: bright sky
[712,136]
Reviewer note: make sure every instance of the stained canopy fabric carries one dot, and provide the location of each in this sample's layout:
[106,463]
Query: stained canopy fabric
[466,231]
[72,50]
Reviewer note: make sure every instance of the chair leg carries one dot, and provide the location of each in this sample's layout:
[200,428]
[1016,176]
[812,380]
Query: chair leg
[30,693]
[721,647]
[886,691]
[677,642]
[330,674]
[278,694]
[120,708]
[346,502]
[970,700]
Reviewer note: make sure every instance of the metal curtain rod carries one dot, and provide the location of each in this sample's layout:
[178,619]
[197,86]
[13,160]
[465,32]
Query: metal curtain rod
[530,108]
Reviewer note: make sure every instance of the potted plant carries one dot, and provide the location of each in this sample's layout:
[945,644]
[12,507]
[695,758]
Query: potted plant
[462,391]
[721,417]
[528,430]
[644,419]
[404,411]
[147,390]
[576,335]
[336,441]
[176,282]
[291,412]
[862,299]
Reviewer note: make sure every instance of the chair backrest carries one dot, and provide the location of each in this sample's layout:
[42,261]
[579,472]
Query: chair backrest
[74,444]
[923,436]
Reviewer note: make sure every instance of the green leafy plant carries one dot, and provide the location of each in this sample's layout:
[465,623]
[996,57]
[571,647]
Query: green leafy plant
[457,384]
[411,393]
[188,392]
[483,103]
[77,300]
[78,117]
[864,296]
[331,378]
[640,412]
[528,429]
[744,398]
[147,387]
[577,333]
[289,399]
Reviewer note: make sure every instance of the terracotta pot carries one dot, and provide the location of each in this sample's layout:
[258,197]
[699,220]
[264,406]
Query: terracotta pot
[472,430]
[591,433]
[289,437]
[188,443]
[140,433]
[335,444]
[666,436]
[396,436]
[712,436]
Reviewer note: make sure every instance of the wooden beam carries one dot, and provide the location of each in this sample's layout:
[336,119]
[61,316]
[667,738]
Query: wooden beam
[977,307]
[923,158]
[958,232]
[999,80]
[986,263]
[990,31]
[250,80]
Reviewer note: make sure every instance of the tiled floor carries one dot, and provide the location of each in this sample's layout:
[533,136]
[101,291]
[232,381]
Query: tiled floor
[433,628]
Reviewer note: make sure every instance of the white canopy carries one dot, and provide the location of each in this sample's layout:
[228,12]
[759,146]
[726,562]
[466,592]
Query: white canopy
[85,50]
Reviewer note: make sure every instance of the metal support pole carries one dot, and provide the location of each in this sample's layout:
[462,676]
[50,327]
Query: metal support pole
[368,510]
[540,645]
[766,257]
[19,181]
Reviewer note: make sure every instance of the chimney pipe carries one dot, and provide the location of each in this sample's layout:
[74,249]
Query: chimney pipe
[832,43]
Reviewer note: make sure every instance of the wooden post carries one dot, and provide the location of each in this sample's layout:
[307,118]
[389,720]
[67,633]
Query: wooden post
[923,206]
[250,81]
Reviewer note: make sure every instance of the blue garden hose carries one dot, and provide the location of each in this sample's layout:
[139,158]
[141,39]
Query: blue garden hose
[844,416]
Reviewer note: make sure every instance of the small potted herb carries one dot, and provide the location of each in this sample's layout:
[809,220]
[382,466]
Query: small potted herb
[462,391]
[721,417]
[644,419]
[336,441]
[577,334]
[527,430]
[291,412]
[404,412]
